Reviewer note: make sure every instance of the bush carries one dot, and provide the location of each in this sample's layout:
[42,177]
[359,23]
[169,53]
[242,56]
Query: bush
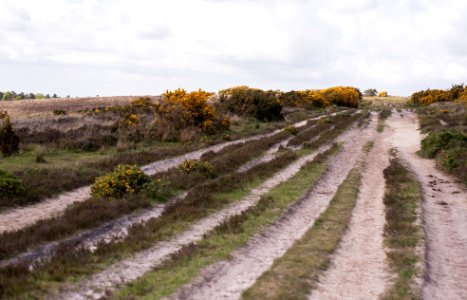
[435,142]
[191,165]
[383,94]
[10,185]
[245,101]
[123,180]
[9,140]
[338,95]
[457,92]
[291,129]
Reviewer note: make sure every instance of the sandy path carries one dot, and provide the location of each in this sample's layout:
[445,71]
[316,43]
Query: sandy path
[17,218]
[444,215]
[359,269]
[134,267]
[228,279]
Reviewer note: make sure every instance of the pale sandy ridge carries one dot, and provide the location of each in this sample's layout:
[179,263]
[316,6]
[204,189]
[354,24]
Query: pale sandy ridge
[359,269]
[444,215]
[132,268]
[17,218]
[228,279]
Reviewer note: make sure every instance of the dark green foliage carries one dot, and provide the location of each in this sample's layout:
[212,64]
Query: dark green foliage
[9,140]
[449,149]
[438,141]
[10,186]
[262,105]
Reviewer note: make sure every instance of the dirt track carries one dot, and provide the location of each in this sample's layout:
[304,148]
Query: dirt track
[444,215]
[134,267]
[228,279]
[359,269]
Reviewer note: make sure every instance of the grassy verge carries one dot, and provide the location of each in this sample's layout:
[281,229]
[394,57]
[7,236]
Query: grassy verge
[293,275]
[402,235]
[382,116]
[227,237]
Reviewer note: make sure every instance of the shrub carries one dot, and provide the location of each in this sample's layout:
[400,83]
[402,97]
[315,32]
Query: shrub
[383,94]
[245,101]
[338,95]
[191,165]
[10,185]
[195,109]
[123,180]
[435,142]
[291,129]
[9,140]
[457,92]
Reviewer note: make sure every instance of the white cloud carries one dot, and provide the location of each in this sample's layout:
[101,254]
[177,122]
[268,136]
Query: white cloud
[87,47]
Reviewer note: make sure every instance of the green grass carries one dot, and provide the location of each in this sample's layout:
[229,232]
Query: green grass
[227,237]
[402,235]
[294,275]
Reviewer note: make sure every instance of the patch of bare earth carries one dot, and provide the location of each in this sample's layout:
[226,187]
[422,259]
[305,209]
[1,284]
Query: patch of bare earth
[228,279]
[359,269]
[444,215]
[142,262]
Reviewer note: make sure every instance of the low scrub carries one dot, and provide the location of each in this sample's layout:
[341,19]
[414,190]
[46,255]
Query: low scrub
[456,93]
[9,140]
[448,147]
[10,186]
[123,180]
[402,234]
[250,102]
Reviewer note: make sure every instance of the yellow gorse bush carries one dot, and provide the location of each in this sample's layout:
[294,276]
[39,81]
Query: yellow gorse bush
[338,95]
[196,109]
[123,180]
[191,165]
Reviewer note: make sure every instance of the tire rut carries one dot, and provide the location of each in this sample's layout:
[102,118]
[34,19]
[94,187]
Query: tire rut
[130,269]
[444,215]
[359,269]
[228,279]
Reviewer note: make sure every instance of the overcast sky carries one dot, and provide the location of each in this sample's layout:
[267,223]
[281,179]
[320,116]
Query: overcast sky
[138,47]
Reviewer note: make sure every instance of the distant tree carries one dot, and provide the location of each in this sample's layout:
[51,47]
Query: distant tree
[68,96]
[31,96]
[47,96]
[370,92]
[40,96]
[54,96]
[1,95]
[383,94]
[8,96]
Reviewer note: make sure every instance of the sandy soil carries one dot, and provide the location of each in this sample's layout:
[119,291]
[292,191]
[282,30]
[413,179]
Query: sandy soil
[134,267]
[444,215]
[359,269]
[15,219]
[228,279]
